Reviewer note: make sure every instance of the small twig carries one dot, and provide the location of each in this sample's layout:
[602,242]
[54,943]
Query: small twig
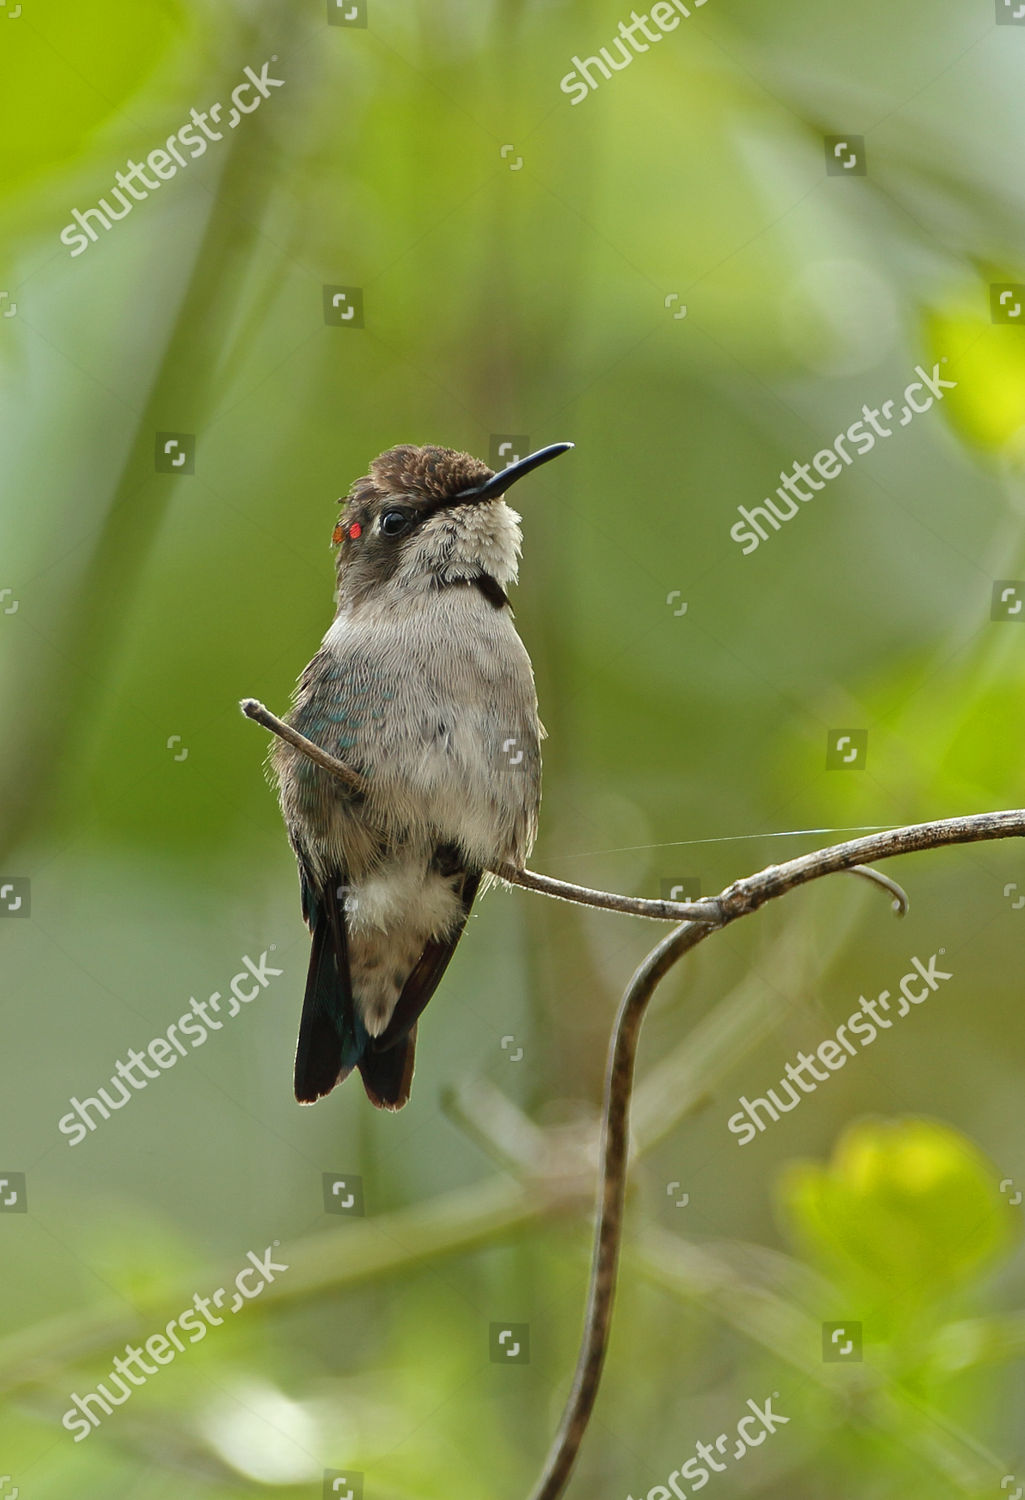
[255,710]
[706,911]
[901,899]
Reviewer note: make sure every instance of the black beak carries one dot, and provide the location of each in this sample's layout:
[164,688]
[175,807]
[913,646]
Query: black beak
[499,483]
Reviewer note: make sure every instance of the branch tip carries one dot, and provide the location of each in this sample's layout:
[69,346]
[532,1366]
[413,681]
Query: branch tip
[901,899]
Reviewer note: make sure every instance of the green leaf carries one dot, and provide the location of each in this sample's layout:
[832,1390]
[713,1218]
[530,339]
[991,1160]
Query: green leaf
[907,1209]
[987,408]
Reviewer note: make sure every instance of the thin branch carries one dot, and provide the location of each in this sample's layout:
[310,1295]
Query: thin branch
[738,900]
[708,911]
[608,1229]
[255,710]
[660,911]
[705,911]
[702,918]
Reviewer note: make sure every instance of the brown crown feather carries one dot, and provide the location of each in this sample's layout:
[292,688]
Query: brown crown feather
[434,473]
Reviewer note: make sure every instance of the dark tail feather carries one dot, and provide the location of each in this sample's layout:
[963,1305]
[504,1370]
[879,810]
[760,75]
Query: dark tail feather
[388,1076]
[327,1046]
[387,1061]
[332,1037]
[427,974]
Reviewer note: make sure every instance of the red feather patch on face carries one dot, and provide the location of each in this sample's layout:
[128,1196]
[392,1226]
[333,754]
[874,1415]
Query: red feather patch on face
[355,530]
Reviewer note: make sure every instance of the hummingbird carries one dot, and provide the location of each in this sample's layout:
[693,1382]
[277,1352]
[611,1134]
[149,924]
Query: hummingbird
[423,687]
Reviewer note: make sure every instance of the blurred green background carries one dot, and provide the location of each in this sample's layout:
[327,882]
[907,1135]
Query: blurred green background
[523,262]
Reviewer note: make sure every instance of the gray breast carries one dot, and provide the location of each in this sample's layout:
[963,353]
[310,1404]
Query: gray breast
[439,707]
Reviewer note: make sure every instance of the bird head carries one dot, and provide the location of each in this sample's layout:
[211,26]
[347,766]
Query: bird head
[426,517]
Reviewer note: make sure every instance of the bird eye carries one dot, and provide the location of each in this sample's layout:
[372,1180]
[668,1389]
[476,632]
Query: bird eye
[394,522]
